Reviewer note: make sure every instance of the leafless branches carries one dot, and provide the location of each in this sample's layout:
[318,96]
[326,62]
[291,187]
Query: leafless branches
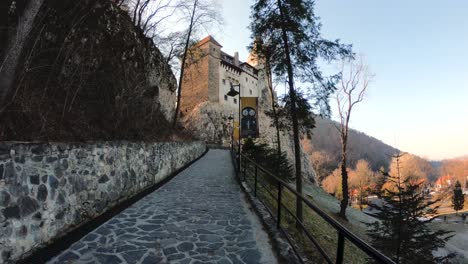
[167,22]
[172,25]
[351,91]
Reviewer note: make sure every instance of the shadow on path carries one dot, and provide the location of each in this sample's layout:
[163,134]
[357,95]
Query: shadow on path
[200,216]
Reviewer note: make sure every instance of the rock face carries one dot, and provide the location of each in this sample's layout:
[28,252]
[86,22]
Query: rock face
[85,72]
[209,122]
[50,188]
[268,132]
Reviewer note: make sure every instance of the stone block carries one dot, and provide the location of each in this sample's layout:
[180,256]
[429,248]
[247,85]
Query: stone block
[9,173]
[34,179]
[27,205]
[12,212]
[4,198]
[72,189]
[53,182]
[38,150]
[103,179]
[42,193]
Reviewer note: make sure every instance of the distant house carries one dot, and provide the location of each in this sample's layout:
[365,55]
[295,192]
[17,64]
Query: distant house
[443,182]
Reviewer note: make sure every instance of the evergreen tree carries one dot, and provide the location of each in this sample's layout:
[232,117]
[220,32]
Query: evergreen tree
[268,157]
[304,114]
[292,32]
[265,58]
[400,232]
[458,199]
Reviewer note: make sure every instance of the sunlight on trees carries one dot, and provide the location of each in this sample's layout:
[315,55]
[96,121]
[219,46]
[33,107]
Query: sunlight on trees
[282,25]
[412,167]
[360,180]
[352,88]
[402,231]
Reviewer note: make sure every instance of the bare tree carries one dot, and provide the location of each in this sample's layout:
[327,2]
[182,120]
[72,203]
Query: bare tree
[172,46]
[149,15]
[322,162]
[351,91]
[360,180]
[201,13]
[331,183]
[184,57]
[157,18]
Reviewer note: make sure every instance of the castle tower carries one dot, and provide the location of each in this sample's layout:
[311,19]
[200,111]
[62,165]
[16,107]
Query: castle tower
[209,74]
[201,76]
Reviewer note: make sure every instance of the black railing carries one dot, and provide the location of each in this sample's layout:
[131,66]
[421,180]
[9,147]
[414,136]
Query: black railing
[343,233]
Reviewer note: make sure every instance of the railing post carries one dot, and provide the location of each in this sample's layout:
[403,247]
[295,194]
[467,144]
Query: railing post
[245,168]
[240,158]
[278,222]
[255,186]
[236,157]
[340,248]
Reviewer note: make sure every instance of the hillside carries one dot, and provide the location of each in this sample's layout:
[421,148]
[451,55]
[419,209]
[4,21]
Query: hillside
[326,143]
[324,149]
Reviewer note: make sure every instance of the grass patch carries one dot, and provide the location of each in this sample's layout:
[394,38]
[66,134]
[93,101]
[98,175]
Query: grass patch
[324,233]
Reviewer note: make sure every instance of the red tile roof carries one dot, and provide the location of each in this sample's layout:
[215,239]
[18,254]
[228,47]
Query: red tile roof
[209,38]
[444,180]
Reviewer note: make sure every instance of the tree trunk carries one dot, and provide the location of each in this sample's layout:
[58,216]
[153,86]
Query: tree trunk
[182,68]
[273,106]
[344,180]
[292,95]
[14,49]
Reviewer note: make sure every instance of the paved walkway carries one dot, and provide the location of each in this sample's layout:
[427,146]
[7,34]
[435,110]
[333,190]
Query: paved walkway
[200,216]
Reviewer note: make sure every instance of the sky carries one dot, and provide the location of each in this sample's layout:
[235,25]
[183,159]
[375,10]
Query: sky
[418,51]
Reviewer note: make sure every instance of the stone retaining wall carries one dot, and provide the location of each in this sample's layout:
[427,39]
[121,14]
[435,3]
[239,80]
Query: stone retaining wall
[49,189]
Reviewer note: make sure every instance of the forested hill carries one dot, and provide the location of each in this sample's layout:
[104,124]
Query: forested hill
[326,139]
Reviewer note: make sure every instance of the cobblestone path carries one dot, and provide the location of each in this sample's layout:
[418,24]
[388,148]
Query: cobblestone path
[200,216]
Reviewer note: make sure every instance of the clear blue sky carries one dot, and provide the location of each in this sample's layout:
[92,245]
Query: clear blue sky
[418,51]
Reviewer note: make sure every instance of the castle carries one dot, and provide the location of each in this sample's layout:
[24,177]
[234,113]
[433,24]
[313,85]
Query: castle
[209,74]
[206,107]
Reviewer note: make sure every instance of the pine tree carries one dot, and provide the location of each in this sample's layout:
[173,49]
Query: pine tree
[400,232]
[268,157]
[292,32]
[305,117]
[458,199]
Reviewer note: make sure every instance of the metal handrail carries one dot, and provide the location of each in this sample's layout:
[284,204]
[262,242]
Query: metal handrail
[343,232]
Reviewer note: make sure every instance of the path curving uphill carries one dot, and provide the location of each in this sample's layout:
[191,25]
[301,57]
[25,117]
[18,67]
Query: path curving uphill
[200,216]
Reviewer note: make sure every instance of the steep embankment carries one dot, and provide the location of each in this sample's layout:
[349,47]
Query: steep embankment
[84,73]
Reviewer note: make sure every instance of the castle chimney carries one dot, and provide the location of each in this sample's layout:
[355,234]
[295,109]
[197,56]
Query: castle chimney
[236,58]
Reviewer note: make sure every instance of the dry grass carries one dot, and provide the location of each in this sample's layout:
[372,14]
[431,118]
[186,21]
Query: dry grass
[323,232]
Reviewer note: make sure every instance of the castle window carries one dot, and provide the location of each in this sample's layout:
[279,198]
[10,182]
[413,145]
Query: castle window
[250,91]
[225,97]
[224,81]
[246,79]
[235,100]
